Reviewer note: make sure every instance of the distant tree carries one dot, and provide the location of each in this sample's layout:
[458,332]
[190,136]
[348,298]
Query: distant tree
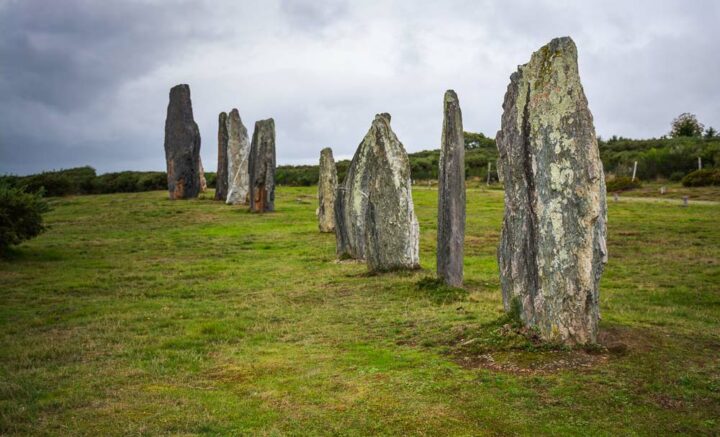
[686,125]
[711,132]
[477,140]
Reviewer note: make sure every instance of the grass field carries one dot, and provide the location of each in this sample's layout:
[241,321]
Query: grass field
[136,315]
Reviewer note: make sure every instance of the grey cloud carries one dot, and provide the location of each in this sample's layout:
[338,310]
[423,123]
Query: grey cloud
[86,82]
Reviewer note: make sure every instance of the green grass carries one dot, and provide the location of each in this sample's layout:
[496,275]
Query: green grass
[136,315]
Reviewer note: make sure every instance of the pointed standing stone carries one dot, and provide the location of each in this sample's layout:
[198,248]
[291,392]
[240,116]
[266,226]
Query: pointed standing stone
[374,217]
[238,158]
[262,167]
[182,145]
[451,195]
[327,186]
[553,248]
[221,177]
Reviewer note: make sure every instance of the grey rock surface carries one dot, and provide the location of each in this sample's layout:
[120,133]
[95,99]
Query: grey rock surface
[553,243]
[221,178]
[238,160]
[182,146]
[262,167]
[376,206]
[451,194]
[327,187]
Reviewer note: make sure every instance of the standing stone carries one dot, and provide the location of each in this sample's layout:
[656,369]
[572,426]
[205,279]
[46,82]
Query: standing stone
[221,177]
[182,145]
[553,248]
[203,181]
[451,195]
[262,167]
[375,217]
[327,186]
[238,157]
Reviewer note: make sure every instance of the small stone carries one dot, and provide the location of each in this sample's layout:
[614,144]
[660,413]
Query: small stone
[203,181]
[221,178]
[327,186]
[451,195]
[238,160]
[182,146]
[262,167]
[553,243]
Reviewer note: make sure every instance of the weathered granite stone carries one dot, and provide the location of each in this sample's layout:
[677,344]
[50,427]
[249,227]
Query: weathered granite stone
[327,186]
[203,181]
[238,159]
[182,145]
[451,195]
[262,167]
[377,211]
[553,248]
[351,203]
[221,178]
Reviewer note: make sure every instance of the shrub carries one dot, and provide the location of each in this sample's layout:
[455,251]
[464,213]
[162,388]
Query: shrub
[20,215]
[677,176]
[622,183]
[702,178]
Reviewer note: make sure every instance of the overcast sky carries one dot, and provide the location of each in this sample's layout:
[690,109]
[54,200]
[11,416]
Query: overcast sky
[86,82]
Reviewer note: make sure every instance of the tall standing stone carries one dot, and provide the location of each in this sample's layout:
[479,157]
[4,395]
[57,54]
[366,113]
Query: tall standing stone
[238,157]
[221,177]
[375,216]
[182,145]
[392,232]
[327,186]
[262,167]
[451,195]
[553,244]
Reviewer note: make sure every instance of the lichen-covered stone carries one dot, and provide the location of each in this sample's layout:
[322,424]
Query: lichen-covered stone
[182,145]
[553,244]
[351,203]
[221,177]
[327,186]
[238,160]
[375,217]
[262,167]
[451,195]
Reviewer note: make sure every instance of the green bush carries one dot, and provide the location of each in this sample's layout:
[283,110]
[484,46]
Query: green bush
[677,176]
[702,178]
[622,183]
[20,215]
[658,157]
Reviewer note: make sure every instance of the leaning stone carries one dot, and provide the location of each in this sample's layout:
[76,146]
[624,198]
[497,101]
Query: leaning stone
[262,167]
[182,145]
[221,177]
[238,158]
[553,244]
[327,186]
[392,233]
[351,203]
[451,195]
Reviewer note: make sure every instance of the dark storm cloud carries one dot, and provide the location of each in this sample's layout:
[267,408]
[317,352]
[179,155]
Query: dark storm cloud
[86,82]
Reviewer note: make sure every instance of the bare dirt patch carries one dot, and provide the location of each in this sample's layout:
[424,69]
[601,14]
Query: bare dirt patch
[519,351]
